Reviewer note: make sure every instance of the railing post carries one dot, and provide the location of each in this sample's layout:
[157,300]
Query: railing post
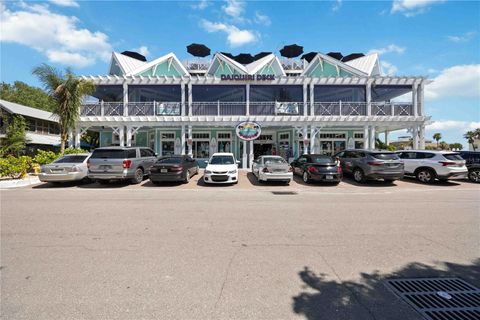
[414,99]
[125,98]
[102,108]
[305,109]
[190,102]
[154,107]
[182,84]
[247,94]
[392,105]
[369,98]
[340,107]
[218,107]
[312,98]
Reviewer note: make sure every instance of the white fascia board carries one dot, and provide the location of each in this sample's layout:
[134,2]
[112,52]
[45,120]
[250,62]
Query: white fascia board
[149,65]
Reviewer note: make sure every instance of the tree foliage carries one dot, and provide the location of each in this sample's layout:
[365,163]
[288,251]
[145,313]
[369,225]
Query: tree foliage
[14,167]
[15,136]
[471,136]
[21,93]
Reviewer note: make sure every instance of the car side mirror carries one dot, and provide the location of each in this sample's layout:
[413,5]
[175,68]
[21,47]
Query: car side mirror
[238,161]
[206,161]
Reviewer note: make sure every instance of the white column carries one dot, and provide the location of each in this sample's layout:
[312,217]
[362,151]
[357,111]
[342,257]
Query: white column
[372,138]
[387,141]
[422,137]
[369,98]
[182,139]
[190,137]
[312,139]
[77,137]
[414,99]
[415,137]
[129,136]
[247,98]
[244,155]
[365,138]
[70,137]
[305,109]
[121,133]
[312,99]
[421,99]
[183,98]
[125,98]
[190,98]
[250,156]
[305,137]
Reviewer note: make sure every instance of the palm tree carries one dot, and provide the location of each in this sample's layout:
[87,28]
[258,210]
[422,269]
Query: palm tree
[67,91]
[471,136]
[437,136]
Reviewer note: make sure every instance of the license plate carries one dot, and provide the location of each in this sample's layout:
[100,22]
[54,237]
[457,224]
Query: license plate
[56,170]
[329,177]
[163,170]
[104,167]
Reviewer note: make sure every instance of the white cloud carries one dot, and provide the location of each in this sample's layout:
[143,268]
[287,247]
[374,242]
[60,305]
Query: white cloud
[55,35]
[453,125]
[235,36]
[65,3]
[457,81]
[410,8]
[336,5]
[200,5]
[462,38]
[262,19]
[391,48]
[143,50]
[388,68]
[234,8]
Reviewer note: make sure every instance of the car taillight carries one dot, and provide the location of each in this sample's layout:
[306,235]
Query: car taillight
[265,170]
[312,169]
[127,164]
[176,168]
[448,163]
[375,163]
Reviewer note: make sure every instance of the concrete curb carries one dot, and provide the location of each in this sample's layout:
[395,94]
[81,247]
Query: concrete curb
[29,180]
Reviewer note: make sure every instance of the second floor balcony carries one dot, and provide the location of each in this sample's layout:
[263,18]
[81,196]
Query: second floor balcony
[268,108]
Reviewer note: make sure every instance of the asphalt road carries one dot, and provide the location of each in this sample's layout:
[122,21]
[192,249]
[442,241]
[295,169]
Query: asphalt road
[239,252]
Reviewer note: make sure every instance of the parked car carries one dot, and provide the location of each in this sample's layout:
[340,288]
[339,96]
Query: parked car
[472,163]
[173,168]
[120,163]
[272,168]
[317,167]
[72,167]
[221,168]
[428,165]
[364,165]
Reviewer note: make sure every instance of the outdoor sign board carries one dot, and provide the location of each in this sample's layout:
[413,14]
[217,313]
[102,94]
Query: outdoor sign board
[247,77]
[248,130]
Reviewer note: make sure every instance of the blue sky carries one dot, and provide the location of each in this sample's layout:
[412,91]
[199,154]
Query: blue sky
[436,39]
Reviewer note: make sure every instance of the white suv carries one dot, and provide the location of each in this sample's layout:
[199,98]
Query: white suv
[221,168]
[427,165]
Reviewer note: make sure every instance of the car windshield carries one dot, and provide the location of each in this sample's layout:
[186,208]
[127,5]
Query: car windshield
[175,160]
[453,156]
[385,156]
[109,153]
[274,160]
[322,159]
[71,159]
[222,160]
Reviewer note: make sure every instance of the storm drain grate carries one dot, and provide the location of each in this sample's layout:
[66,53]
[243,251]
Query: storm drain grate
[439,298]
[283,193]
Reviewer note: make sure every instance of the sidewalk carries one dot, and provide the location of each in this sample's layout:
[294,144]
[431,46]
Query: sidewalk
[28,180]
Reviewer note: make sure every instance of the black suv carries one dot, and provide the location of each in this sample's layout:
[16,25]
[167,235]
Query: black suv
[473,164]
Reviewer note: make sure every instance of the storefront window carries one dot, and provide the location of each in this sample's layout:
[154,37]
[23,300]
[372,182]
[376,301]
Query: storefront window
[268,93]
[168,143]
[148,93]
[201,149]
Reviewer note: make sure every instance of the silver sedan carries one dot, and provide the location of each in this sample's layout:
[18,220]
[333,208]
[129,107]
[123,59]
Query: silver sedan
[272,168]
[72,167]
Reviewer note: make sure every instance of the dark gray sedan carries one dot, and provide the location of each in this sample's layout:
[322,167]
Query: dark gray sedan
[173,168]
[317,167]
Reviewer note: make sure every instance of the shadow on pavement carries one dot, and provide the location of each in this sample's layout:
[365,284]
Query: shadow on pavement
[369,298]
[299,181]
[150,184]
[202,183]
[436,183]
[110,185]
[369,183]
[254,181]
[57,185]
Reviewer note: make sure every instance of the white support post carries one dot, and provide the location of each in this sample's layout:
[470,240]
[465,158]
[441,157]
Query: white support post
[102,108]
[372,138]
[129,136]
[70,137]
[244,155]
[414,99]
[421,99]
[190,95]
[340,107]
[312,139]
[121,135]
[387,141]
[182,139]
[369,98]
[422,136]
[125,98]
[77,137]
[190,138]
[305,109]
[218,107]
[183,98]
[415,137]
[247,96]
[305,137]
[312,99]
[250,155]
[366,138]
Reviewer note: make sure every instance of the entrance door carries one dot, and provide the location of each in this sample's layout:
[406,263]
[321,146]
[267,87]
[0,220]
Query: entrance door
[261,149]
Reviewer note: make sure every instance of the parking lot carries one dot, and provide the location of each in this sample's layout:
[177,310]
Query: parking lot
[246,251]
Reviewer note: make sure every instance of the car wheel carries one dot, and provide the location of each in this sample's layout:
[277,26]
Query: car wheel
[474,175]
[305,177]
[187,177]
[137,177]
[358,175]
[425,175]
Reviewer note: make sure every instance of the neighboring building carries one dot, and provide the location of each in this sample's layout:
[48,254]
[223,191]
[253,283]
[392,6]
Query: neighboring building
[476,142]
[43,131]
[405,143]
[319,104]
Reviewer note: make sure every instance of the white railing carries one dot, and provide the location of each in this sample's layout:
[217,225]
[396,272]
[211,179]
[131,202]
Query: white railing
[268,108]
[130,109]
[219,108]
[340,108]
[392,109]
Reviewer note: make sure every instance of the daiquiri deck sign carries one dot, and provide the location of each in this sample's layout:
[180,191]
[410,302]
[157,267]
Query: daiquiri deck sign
[248,130]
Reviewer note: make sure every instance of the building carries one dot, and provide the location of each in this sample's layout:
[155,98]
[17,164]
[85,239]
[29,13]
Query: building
[43,131]
[405,143]
[317,105]
[476,143]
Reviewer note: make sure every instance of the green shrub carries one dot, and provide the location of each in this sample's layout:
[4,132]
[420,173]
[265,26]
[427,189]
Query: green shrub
[74,151]
[14,167]
[45,157]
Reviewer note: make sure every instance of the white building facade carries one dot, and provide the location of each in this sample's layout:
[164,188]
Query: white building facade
[319,106]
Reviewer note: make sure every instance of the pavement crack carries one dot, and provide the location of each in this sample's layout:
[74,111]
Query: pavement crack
[227,271]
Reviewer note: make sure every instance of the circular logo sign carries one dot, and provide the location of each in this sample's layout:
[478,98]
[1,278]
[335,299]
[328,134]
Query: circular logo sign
[248,130]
